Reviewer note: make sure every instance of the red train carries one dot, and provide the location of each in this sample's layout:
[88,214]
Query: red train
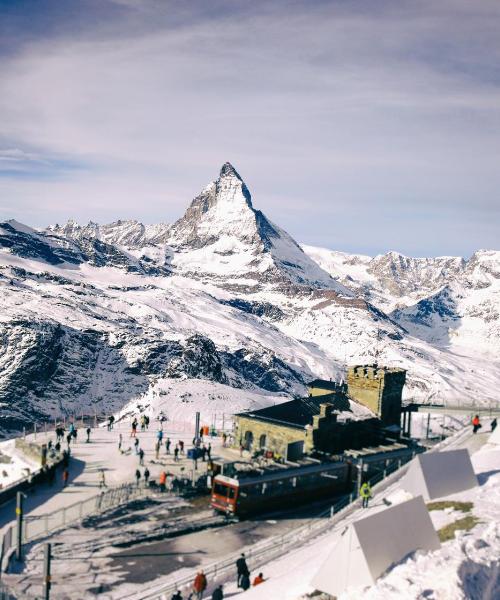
[276,488]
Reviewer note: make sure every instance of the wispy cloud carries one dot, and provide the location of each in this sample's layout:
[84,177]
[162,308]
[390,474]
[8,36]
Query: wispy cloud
[384,110]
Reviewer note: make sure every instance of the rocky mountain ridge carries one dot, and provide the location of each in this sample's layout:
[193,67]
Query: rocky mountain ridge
[94,316]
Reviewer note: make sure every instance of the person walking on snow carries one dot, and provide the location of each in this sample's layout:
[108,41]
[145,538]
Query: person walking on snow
[141,457]
[167,446]
[493,424]
[146,476]
[136,445]
[241,569]
[181,446]
[176,454]
[199,585]
[218,594]
[133,432]
[102,479]
[476,424]
[137,477]
[159,436]
[88,434]
[209,452]
[157,449]
[366,493]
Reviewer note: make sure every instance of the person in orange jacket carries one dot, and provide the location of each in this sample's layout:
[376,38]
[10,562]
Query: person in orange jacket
[476,424]
[199,585]
[258,579]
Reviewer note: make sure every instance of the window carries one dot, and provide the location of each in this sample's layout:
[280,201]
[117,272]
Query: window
[220,490]
[262,441]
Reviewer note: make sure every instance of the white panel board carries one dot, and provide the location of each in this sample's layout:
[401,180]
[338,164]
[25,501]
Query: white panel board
[387,537]
[438,474]
[371,545]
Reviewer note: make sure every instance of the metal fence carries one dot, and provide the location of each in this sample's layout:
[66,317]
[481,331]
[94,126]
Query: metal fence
[39,526]
[272,548]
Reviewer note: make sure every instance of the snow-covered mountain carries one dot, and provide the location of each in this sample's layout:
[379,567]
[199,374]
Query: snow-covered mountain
[94,316]
[449,302]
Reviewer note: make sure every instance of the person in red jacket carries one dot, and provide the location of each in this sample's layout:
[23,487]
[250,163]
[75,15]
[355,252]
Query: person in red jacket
[476,424]
[199,585]
[258,579]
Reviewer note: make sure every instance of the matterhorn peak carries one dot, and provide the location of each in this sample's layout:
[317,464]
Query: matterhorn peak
[227,170]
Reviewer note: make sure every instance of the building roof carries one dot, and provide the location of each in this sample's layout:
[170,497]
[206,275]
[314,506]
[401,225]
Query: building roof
[299,413]
[324,384]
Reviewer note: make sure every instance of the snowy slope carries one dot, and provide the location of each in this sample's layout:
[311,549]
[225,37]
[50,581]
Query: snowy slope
[93,317]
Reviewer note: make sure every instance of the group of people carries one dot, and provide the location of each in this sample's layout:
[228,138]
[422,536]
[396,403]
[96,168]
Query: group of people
[242,580]
[476,424]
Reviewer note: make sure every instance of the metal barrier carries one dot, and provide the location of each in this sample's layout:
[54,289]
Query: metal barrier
[39,526]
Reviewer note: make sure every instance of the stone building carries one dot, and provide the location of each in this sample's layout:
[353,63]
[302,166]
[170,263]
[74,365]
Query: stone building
[378,388]
[328,423]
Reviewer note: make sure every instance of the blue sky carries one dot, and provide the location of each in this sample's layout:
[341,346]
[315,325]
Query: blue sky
[363,126]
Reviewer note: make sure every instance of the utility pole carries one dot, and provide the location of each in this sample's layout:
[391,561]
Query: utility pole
[46,572]
[19,519]
[360,477]
[197,426]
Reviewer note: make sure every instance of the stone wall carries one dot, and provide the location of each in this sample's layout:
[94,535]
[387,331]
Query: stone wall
[277,437]
[31,450]
[379,389]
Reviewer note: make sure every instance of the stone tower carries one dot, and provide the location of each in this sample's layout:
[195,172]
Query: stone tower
[378,388]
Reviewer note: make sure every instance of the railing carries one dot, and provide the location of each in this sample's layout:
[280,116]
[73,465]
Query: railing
[39,526]
[261,553]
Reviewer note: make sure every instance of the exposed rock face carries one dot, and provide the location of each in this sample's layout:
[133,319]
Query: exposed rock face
[94,316]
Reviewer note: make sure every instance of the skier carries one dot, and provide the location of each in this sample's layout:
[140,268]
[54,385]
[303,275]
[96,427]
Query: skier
[146,476]
[137,477]
[493,424]
[242,569]
[136,445]
[209,452]
[141,457]
[102,478]
[199,585]
[88,434]
[218,594]
[476,424]
[366,493]
[167,446]
[133,432]
[176,454]
[259,579]
[159,435]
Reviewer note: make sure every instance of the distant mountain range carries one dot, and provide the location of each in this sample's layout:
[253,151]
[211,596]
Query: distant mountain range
[93,316]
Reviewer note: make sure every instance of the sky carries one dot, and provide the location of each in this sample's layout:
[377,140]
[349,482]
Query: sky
[358,125]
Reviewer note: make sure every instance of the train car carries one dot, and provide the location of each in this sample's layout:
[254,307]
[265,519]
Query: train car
[269,489]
